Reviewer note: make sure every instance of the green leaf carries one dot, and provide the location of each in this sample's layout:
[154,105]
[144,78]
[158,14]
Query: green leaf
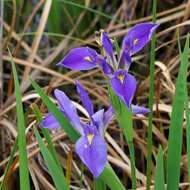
[159,177]
[110,178]
[54,19]
[45,132]
[23,168]
[124,118]
[73,135]
[88,9]
[99,184]
[187,113]
[8,166]
[151,99]
[57,174]
[175,130]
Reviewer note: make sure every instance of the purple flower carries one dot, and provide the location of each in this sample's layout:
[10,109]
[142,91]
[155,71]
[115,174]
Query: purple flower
[82,58]
[139,109]
[123,84]
[137,37]
[91,146]
[107,44]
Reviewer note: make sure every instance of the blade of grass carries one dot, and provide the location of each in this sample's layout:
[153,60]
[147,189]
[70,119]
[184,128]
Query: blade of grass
[73,135]
[57,174]
[159,177]
[124,118]
[110,178]
[8,166]
[175,130]
[45,132]
[23,168]
[82,168]
[58,35]
[54,18]
[99,184]
[151,100]
[88,9]
[187,113]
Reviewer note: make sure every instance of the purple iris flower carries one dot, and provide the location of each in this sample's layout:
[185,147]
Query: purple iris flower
[123,83]
[91,146]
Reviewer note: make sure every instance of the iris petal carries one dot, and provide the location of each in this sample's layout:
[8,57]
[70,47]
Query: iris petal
[124,85]
[102,119]
[93,155]
[107,44]
[69,110]
[108,116]
[137,37]
[125,60]
[139,109]
[85,99]
[79,59]
[107,69]
[98,120]
[50,122]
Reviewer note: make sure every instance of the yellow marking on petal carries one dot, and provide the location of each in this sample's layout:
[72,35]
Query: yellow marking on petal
[121,77]
[87,58]
[135,41]
[90,137]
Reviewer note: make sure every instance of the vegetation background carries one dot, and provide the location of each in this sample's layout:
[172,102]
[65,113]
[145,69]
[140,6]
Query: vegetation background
[39,33]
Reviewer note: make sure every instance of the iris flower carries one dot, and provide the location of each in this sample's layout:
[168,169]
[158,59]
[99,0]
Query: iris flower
[91,146]
[123,83]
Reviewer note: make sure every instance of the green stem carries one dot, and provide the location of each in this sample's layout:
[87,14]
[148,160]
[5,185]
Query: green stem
[128,133]
[151,100]
[124,118]
[132,157]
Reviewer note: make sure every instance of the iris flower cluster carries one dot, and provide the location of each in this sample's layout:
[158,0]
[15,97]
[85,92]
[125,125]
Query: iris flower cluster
[123,83]
[91,146]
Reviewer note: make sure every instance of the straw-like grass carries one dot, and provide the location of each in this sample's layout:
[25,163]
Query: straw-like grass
[39,34]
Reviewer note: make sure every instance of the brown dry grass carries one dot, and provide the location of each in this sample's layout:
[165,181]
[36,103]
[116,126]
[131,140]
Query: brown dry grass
[29,57]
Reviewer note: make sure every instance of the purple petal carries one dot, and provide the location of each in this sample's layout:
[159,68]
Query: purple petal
[94,154]
[50,122]
[107,69]
[79,59]
[107,44]
[138,36]
[124,85]
[125,60]
[139,109]
[69,110]
[85,99]
[101,119]
[90,128]
[98,120]
[108,116]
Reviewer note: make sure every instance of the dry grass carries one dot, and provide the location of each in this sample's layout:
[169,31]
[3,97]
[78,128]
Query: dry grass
[38,60]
